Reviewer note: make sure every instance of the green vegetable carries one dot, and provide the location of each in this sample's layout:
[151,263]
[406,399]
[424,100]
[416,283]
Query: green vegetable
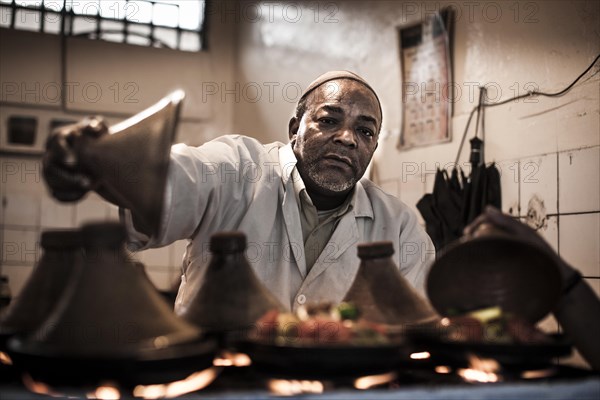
[485,315]
[348,311]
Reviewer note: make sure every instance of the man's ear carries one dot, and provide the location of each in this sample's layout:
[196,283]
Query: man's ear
[293,126]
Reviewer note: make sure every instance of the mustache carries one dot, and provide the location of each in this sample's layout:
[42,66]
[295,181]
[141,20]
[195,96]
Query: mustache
[343,157]
[314,153]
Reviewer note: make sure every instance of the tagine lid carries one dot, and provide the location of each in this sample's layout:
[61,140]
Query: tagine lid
[498,270]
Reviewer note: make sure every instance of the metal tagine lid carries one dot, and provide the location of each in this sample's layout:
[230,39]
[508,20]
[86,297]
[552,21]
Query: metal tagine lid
[381,292]
[498,270]
[61,260]
[231,297]
[111,323]
[375,250]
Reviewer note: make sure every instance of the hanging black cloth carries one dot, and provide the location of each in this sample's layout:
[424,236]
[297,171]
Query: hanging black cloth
[442,209]
[457,199]
[483,185]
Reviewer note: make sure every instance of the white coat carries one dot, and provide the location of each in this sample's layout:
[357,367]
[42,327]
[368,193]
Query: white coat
[237,183]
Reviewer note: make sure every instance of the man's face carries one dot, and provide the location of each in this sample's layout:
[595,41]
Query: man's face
[336,137]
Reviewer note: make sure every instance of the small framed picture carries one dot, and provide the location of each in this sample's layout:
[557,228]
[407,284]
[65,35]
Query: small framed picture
[425,56]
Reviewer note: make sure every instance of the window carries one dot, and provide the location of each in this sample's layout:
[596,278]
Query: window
[174,24]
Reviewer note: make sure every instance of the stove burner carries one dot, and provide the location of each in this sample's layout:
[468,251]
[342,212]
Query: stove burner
[113,391]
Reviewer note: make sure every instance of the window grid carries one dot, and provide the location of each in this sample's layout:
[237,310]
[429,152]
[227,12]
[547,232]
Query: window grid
[68,16]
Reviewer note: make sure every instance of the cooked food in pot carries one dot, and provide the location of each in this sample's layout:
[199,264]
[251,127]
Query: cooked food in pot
[493,326]
[320,324]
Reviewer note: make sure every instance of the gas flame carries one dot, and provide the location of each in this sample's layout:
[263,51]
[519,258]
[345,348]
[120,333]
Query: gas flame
[367,382]
[38,387]
[192,383]
[284,387]
[423,355]
[106,392]
[481,370]
[228,359]
[443,369]
[5,358]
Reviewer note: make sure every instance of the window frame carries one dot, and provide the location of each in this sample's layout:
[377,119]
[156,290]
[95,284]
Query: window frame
[68,18]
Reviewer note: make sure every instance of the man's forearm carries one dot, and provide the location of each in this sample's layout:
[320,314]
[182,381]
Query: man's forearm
[578,311]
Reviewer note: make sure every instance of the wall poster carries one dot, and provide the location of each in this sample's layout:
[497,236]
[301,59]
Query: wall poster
[425,52]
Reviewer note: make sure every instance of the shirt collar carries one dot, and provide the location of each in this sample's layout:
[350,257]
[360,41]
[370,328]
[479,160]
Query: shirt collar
[300,188]
[361,202]
[287,162]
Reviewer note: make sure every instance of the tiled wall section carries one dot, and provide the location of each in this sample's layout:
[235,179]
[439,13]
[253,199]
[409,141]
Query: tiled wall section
[563,187]
[28,210]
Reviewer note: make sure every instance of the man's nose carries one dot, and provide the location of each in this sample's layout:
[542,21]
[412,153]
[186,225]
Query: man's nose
[346,137]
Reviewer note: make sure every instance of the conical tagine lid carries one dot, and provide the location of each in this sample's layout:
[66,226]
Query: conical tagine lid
[382,294]
[110,317]
[61,259]
[231,297]
[498,270]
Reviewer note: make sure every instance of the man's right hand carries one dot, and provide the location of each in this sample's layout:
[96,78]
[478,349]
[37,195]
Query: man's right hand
[61,167]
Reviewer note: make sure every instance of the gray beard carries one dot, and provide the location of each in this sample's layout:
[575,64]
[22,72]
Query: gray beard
[315,175]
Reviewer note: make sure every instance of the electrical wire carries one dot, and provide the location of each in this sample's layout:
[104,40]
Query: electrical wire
[536,93]
[483,104]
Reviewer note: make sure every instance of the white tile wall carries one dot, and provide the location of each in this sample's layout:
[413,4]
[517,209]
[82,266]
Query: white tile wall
[55,214]
[410,192]
[38,69]
[21,209]
[17,275]
[177,252]
[21,175]
[28,210]
[538,177]
[509,184]
[579,242]
[579,180]
[594,284]
[550,232]
[162,278]
[155,257]
[91,209]
[20,247]
[163,265]
[429,182]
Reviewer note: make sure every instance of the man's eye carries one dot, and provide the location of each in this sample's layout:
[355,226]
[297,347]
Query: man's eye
[366,132]
[328,121]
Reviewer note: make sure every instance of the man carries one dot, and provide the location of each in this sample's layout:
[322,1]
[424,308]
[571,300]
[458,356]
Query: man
[303,206]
